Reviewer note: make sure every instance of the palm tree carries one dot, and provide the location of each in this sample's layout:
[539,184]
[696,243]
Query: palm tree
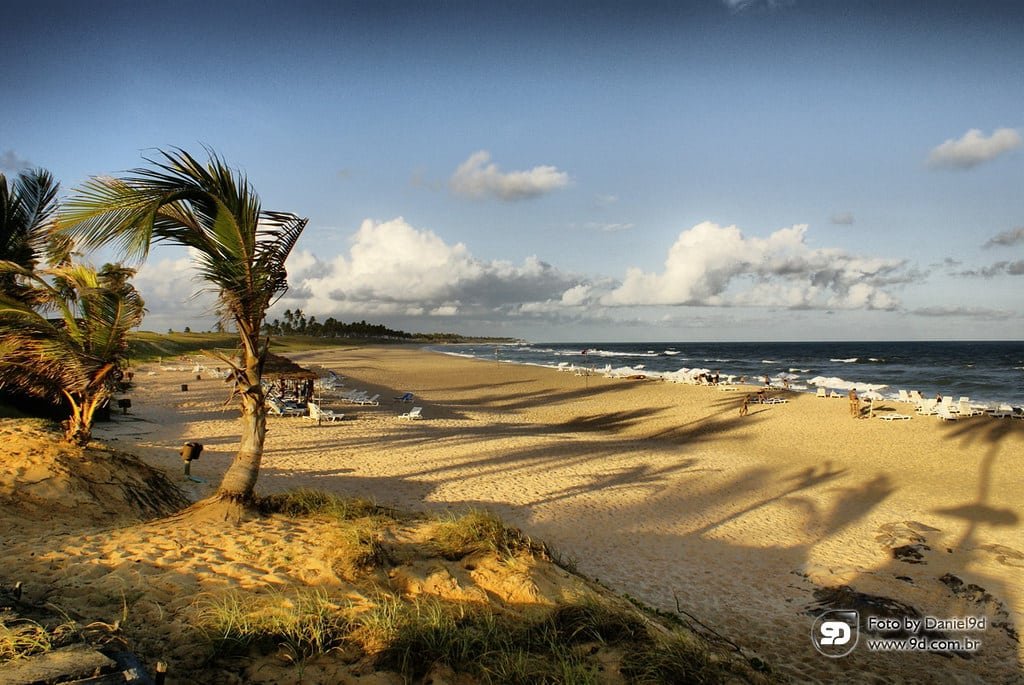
[78,353]
[241,250]
[26,209]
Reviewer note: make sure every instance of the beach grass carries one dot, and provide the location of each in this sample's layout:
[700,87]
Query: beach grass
[309,502]
[414,636]
[477,530]
[23,638]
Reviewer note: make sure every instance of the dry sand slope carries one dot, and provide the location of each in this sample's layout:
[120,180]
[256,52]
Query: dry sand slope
[663,492]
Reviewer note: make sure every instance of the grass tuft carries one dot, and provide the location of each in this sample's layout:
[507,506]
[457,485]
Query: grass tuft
[22,638]
[457,536]
[304,622]
[309,502]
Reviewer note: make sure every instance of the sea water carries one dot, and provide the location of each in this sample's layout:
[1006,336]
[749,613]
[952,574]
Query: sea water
[989,372]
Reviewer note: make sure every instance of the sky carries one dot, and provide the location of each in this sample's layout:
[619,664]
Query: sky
[584,171]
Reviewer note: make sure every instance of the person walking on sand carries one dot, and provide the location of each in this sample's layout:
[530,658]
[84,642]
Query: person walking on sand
[745,409]
[854,404]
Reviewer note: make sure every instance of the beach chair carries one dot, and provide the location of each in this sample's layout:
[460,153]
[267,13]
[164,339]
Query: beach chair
[894,417]
[835,395]
[414,413]
[1003,411]
[905,397]
[276,408]
[317,413]
[964,408]
[407,397]
[945,413]
[371,401]
[927,407]
[821,392]
[354,395]
[915,396]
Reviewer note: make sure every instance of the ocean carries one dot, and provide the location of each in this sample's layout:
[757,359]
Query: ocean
[989,372]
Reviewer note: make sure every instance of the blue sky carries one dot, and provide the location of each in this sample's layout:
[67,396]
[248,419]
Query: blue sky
[710,170]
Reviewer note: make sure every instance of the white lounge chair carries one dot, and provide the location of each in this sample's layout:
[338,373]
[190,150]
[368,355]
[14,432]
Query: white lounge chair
[414,413]
[318,414]
[355,395]
[915,396]
[821,392]
[945,413]
[904,397]
[276,408]
[964,408]
[927,407]
[893,417]
[372,401]
[1004,411]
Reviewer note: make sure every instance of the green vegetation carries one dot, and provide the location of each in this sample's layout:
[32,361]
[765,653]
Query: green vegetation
[22,638]
[63,329]
[240,252]
[458,535]
[554,645]
[308,502]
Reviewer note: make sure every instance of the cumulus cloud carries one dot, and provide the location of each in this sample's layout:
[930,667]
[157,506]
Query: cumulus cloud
[973,148]
[173,293]
[842,218]
[1007,238]
[479,177]
[10,161]
[717,265]
[395,269]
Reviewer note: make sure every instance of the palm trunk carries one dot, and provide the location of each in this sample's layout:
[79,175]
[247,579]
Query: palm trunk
[239,482]
[78,427]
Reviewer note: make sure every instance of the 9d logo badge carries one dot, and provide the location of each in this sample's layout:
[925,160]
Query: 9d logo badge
[835,633]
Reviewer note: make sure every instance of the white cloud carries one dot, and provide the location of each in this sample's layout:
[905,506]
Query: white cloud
[395,269]
[717,265]
[973,148]
[1007,238]
[479,177]
[10,161]
[174,294]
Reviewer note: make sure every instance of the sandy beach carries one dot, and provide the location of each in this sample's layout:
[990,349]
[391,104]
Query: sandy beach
[661,491]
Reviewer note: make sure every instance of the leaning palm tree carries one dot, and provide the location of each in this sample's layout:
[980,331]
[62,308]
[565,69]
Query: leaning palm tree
[240,251]
[76,352]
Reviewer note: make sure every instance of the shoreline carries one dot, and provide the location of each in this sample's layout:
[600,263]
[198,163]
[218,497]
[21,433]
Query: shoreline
[661,491]
[808,380]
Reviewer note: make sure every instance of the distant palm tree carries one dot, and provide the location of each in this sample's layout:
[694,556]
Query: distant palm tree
[77,353]
[26,211]
[240,251]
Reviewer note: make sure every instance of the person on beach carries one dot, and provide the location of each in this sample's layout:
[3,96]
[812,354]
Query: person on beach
[854,404]
[745,409]
[761,397]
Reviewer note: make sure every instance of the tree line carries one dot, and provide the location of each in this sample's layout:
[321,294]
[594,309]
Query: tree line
[296,323]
